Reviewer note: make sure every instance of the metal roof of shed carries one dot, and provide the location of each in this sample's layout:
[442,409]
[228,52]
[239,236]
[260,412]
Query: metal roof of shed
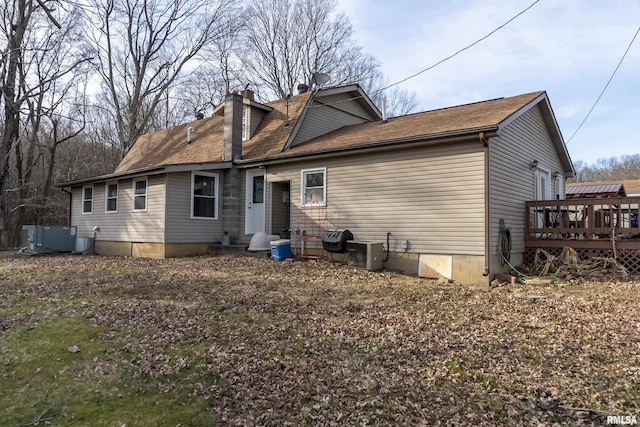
[594,190]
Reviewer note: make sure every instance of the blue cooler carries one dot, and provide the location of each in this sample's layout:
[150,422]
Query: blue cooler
[281,249]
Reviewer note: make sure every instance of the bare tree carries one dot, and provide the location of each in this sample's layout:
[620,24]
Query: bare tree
[288,40]
[37,59]
[609,169]
[143,47]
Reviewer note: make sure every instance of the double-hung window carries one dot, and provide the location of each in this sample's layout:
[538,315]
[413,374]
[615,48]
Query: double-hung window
[111,197]
[87,199]
[314,187]
[139,195]
[204,192]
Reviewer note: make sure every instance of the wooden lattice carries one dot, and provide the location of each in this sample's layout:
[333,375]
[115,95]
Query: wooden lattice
[628,258]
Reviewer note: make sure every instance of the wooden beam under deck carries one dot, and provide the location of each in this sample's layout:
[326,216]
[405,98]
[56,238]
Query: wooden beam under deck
[581,244]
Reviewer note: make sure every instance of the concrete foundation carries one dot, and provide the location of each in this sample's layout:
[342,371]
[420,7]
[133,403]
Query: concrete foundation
[150,250]
[463,269]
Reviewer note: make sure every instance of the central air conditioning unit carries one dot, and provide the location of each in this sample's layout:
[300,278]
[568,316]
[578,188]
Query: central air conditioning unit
[367,255]
[46,239]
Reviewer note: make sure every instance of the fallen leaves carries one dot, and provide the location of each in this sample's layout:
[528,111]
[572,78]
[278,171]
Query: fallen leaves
[293,343]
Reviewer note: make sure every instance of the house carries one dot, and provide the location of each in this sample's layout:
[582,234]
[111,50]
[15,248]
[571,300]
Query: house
[605,215]
[578,190]
[437,187]
[620,188]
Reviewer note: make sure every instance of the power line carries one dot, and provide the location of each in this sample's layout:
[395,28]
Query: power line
[461,50]
[439,62]
[605,86]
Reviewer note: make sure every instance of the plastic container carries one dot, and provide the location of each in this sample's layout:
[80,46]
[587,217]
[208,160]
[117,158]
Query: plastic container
[281,249]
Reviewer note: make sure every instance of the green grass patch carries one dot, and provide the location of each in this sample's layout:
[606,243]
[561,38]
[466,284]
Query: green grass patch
[43,381]
[32,276]
[19,305]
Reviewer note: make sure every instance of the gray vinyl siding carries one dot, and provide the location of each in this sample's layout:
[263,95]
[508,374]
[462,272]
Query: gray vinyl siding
[512,182]
[431,196]
[123,225]
[256,116]
[322,119]
[180,227]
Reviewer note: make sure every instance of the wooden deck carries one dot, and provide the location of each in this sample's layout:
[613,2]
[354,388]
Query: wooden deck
[594,227]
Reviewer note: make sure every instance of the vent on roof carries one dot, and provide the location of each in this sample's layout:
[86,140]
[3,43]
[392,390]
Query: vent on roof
[286,119]
[199,115]
[302,88]
[189,130]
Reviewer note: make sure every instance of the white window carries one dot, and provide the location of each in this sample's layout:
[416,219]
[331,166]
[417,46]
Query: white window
[139,195]
[111,197]
[543,184]
[314,187]
[204,192]
[87,199]
[246,123]
[559,186]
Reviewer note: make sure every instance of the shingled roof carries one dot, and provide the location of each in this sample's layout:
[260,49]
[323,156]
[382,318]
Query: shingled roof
[169,147]
[452,121]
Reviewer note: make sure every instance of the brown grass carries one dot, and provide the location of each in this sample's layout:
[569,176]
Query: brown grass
[258,342]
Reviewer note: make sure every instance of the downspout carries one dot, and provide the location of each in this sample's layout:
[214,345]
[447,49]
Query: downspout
[487,223]
[70,205]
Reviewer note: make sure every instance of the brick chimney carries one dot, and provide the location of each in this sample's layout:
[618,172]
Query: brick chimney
[232,127]
[248,94]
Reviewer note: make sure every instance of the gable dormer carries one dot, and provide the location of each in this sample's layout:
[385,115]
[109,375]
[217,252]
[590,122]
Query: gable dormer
[252,113]
[332,108]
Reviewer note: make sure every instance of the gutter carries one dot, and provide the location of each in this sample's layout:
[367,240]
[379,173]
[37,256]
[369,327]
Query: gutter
[154,170]
[368,147]
[70,205]
[487,222]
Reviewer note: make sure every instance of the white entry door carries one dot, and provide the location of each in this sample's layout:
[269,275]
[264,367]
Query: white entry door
[254,211]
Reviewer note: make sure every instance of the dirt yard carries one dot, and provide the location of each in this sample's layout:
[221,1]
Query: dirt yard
[295,343]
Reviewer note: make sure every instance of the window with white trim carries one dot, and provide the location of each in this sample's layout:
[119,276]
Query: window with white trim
[204,192]
[559,186]
[314,187]
[87,199]
[139,195]
[246,123]
[111,197]
[543,184]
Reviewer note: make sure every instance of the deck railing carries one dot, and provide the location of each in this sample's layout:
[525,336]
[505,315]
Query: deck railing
[583,219]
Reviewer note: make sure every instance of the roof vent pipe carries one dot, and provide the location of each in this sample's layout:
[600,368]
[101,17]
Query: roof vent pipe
[286,120]
[189,130]
[302,88]
[384,112]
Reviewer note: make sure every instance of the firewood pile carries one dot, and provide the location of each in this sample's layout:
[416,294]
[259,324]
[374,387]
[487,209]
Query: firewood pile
[568,266]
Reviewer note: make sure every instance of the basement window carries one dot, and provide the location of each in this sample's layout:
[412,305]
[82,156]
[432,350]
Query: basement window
[139,195]
[314,189]
[87,199]
[204,191]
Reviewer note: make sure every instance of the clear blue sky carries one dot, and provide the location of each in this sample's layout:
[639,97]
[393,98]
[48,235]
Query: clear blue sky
[569,48]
